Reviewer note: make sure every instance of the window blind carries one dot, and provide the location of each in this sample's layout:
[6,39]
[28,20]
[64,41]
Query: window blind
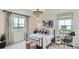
[65,16]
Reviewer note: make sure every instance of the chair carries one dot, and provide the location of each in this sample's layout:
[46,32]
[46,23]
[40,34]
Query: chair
[67,41]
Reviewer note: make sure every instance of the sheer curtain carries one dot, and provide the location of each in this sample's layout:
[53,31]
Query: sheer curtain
[8,28]
[27,24]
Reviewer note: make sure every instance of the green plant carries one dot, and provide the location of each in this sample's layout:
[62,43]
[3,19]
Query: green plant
[3,38]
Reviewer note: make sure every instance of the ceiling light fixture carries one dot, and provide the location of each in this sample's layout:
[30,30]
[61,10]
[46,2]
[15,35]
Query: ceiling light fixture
[37,12]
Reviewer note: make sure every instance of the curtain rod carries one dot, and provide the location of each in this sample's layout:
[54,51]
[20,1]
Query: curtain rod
[15,13]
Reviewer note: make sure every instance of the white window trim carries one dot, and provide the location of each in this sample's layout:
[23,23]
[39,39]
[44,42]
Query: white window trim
[63,16]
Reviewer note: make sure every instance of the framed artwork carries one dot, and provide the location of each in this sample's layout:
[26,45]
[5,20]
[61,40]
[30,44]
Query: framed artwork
[48,23]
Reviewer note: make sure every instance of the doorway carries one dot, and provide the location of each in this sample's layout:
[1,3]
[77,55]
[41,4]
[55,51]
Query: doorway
[19,27]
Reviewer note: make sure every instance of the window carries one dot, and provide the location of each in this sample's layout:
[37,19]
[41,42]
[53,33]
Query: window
[18,23]
[15,22]
[64,23]
[64,26]
[21,23]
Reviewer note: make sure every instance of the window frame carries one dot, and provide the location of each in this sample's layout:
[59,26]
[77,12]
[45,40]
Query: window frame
[65,14]
[66,25]
[18,24]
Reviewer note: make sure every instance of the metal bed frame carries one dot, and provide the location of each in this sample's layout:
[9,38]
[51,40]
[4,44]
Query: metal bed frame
[40,40]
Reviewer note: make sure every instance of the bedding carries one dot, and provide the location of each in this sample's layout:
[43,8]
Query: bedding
[46,38]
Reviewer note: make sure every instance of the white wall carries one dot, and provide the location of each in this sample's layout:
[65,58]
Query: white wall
[76,27]
[34,22]
[2,22]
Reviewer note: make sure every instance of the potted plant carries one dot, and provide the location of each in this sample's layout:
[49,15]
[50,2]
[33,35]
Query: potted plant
[2,41]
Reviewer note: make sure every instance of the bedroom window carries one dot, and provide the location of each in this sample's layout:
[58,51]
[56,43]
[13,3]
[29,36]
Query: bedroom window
[18,23]
[65,24]
[21,23]
[15,23]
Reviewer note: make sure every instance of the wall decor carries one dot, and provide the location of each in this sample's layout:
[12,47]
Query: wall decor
[48,23]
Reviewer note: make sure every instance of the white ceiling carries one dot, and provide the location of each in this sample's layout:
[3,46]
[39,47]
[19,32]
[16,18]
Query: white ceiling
[21,11]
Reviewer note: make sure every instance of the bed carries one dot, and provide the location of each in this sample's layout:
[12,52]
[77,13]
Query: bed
[40,39]
[43,40]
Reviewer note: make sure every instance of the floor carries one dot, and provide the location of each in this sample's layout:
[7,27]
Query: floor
[57,46]
[21,45]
